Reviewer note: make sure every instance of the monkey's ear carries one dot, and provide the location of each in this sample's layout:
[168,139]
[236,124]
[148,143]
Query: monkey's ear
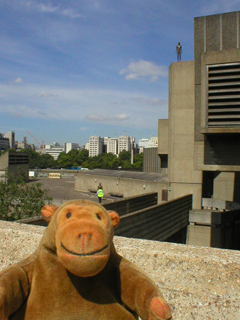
[48,211]
[115,218]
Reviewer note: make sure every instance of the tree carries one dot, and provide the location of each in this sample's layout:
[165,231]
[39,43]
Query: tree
[46,161]
[125,158]
[138,161]
[18,200]
[82,156]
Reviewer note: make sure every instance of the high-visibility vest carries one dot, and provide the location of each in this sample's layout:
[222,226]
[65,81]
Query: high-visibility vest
[100,193]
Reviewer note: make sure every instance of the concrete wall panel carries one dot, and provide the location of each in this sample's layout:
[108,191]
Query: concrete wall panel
[213,33]
[223,186]
[181,189]
[229,31]
[163,136]
[122,186]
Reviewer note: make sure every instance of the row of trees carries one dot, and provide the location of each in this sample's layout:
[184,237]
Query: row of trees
[75,158]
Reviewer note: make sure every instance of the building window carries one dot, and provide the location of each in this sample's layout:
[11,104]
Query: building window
[223,95]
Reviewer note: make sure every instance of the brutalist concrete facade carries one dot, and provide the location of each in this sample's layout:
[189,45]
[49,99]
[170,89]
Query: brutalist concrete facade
[204,114]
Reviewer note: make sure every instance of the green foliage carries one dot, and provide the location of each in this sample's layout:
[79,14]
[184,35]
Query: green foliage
[138,161]
[125,156]
[41,161]
[75,158]
[46,161]
[18,200]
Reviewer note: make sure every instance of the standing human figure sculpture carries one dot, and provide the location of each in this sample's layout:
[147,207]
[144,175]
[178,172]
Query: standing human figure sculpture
[179,51]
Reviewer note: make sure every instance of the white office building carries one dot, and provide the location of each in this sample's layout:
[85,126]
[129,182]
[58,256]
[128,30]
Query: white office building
[153,142]
[144,143]
[95,146]
[124,143]
[69,146]
[112,146]
[87,146]
[54,150]
[105,144]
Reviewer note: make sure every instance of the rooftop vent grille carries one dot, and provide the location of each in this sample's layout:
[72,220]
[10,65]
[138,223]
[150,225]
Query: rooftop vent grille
[223,98]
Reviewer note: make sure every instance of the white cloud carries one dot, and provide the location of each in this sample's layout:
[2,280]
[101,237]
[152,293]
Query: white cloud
[107,118]
[18,80]
[108,107]
[144,69]
[45,94]
[49,8]
[46,8]
[71,14]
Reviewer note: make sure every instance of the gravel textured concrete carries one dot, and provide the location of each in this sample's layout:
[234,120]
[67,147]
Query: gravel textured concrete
[198,283]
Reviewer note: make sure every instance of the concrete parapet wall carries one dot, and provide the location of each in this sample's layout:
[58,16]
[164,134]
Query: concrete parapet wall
[198,283]
[119,186]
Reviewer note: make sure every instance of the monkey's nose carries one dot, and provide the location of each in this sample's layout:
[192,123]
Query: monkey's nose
[85,239]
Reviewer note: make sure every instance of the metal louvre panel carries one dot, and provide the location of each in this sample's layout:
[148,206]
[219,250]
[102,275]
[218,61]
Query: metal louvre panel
[223,95]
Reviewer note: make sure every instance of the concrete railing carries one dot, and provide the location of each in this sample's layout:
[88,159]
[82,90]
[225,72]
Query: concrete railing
[198,283]
[158,222]
[220,229]
[132,204]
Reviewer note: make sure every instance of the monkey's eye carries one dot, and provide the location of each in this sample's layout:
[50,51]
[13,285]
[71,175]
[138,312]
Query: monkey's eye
[98,216]
[68,215]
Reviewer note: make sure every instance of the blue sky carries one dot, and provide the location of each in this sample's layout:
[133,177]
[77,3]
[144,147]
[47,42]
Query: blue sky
[72,69]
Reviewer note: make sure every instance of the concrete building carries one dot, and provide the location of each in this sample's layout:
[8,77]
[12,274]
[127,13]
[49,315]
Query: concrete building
[54,150]
[112,146]
[153,142]
[124,143]
[144,143]
[151,160]
[87,146]
[105,144]
[69,146]
[4,142]
[14,164]
[203,128]
[95,146]
[11,136]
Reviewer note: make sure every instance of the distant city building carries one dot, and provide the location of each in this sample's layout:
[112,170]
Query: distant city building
[143,143]
[153,142]
[95,146]
[11,136]
[24,145]
[124,144]
[54,150]
[105,144]
[4,142]
[112,146]
[69,146]
[141,149]
[87,146]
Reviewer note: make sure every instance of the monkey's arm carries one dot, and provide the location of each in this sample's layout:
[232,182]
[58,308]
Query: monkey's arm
[14,289]
[141,295]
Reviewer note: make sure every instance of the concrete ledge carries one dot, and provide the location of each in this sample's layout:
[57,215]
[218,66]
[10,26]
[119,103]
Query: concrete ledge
[198,283]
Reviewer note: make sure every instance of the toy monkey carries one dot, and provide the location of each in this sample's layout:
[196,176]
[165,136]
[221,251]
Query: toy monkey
[76,274]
